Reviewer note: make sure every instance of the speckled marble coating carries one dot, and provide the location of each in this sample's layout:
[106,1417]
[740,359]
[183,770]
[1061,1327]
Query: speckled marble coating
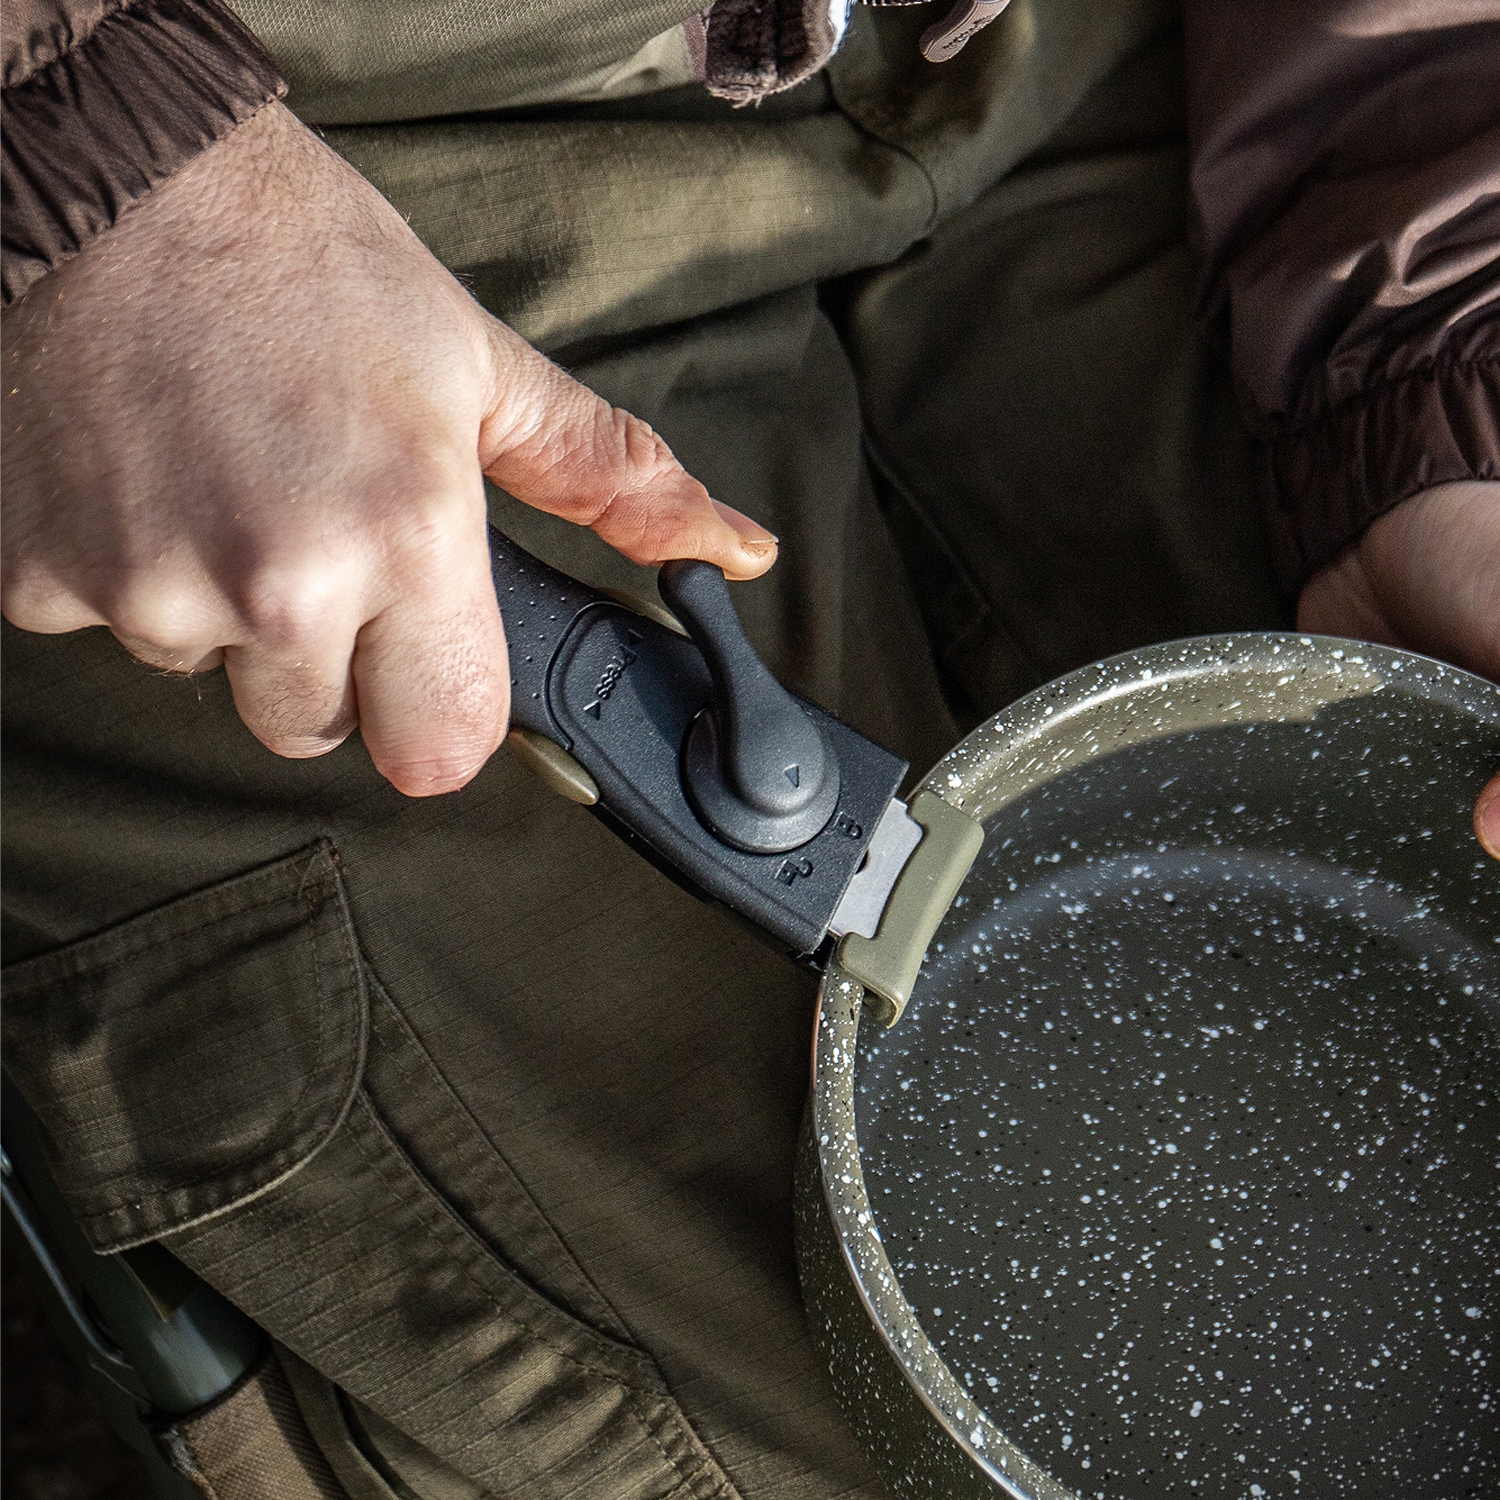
[1179,1175]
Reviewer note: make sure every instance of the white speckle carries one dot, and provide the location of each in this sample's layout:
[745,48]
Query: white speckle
[1216,1243]
[1170,1149]
[1474,1312]
[1067,1440]
[1197,1410]
[954,779]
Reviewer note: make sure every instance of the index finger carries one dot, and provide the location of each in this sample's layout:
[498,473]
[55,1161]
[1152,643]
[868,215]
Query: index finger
[556,445]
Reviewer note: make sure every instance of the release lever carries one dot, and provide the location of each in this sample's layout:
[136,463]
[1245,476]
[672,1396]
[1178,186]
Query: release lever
[603,706]
[757,769]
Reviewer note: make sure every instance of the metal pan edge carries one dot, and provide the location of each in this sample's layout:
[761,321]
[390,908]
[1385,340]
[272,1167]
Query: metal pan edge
[1197,683]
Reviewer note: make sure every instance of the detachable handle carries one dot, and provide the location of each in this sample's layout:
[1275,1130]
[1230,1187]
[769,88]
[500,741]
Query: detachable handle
[758,770]
[539,606]
[632,715]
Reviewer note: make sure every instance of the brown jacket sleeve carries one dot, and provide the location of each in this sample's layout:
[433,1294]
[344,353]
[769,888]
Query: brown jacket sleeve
[104,100]
[1347,180]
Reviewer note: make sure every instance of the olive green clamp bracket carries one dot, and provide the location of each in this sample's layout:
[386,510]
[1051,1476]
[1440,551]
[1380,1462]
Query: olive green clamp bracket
[553,766]
[888,963]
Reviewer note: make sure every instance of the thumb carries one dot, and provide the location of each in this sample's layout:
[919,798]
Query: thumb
[555,445]
[1487,817]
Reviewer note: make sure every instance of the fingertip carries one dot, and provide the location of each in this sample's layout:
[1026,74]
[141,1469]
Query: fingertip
[305,747]
[432,778]
[1487,818]
[751,560]
[750,550]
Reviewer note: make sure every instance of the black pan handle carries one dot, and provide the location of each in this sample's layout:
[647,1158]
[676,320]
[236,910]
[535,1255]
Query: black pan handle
[538,605]
[615,695]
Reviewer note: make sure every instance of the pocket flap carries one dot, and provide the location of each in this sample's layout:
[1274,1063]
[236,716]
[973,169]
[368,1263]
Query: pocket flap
[192,1058]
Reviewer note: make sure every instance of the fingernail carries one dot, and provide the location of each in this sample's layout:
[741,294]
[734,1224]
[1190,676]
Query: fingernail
[755,536]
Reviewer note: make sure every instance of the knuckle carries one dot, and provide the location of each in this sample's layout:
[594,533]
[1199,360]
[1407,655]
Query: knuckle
[635,467]
[160,620]
[33,600]
[431,535]
[287,609]
[421,556]
[642,449]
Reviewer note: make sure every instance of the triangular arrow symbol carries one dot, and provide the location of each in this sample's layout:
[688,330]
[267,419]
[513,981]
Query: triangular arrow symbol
[592,708]
[794,775]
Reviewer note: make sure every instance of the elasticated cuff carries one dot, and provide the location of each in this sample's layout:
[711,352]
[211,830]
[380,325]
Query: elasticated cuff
[92,133]
[1327,481]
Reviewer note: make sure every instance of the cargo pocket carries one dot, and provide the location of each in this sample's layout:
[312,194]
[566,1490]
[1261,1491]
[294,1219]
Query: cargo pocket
[225,1075]
[193,1058]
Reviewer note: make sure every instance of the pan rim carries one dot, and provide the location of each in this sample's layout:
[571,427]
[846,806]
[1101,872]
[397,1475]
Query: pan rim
[1281,676]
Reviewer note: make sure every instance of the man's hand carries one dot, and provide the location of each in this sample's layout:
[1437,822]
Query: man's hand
[248,426]
[1425,576]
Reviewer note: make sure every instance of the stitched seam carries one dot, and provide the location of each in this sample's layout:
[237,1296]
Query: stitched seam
[250,1197]
[293,1148]
[433,1200]
[1431,366]
[641,1402]
[426,1194]
[685,1480]
[485,1143]
[176,926]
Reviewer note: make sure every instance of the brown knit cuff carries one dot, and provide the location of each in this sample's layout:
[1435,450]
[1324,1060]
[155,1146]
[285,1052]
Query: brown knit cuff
[1327,481]
[92,133]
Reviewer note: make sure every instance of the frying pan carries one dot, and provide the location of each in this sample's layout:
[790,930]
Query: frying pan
[1178,1173]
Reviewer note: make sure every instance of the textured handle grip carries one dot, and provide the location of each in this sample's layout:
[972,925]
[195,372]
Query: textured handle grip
[538,605]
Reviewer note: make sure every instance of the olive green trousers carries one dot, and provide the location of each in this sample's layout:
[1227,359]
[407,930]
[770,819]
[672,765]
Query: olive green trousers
[484,1119]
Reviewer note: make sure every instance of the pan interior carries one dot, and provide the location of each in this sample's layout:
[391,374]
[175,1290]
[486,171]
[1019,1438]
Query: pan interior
[1185,1152]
